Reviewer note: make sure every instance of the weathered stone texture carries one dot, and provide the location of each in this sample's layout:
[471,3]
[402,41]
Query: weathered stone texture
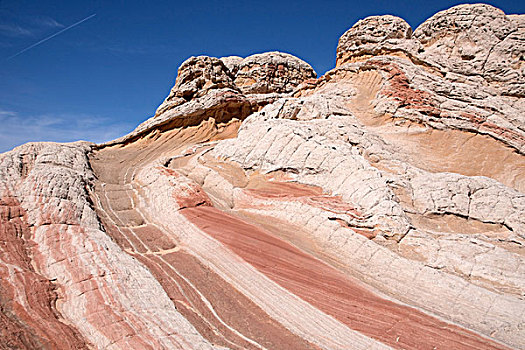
[272,72]
[379,206]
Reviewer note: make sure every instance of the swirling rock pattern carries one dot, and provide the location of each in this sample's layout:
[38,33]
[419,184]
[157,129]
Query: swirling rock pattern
[379,206]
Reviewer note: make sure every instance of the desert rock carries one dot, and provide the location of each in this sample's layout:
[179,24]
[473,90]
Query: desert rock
[379,206]
[272,72]
[373,36]
[196,77]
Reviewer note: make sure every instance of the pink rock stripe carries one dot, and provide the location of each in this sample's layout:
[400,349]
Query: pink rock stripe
[28,318]
[332,292]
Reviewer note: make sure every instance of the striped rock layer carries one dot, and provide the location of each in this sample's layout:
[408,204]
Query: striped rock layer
[380,206]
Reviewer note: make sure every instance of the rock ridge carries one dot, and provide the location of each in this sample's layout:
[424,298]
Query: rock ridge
[379,206]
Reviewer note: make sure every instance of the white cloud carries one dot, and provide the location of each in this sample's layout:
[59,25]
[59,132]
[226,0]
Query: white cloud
[5,114]
[47,22]
[16,130]
[30,26]
[14,30]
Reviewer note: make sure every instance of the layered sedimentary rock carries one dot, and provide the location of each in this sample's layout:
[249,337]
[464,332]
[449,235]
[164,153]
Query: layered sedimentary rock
[379,206]
[271,72]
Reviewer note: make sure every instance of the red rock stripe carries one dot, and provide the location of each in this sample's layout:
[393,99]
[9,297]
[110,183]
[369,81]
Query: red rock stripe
[331,291]
[36,324]
[235,309]
[191,306]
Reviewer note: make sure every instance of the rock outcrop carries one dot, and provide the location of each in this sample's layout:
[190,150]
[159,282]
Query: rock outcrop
[379,206]
[197,77]
[374,36]
[271,72]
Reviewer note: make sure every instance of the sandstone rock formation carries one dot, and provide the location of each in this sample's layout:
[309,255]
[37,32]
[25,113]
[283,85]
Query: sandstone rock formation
[271,72]
[379,206]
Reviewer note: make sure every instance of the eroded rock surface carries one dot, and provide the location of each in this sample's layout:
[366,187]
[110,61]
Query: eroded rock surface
[272,72]
[379,206]
[197,76]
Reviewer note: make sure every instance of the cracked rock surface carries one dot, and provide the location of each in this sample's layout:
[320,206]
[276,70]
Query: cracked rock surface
[379,206]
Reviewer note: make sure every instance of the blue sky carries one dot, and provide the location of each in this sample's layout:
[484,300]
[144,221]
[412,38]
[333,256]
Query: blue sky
[98,80]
